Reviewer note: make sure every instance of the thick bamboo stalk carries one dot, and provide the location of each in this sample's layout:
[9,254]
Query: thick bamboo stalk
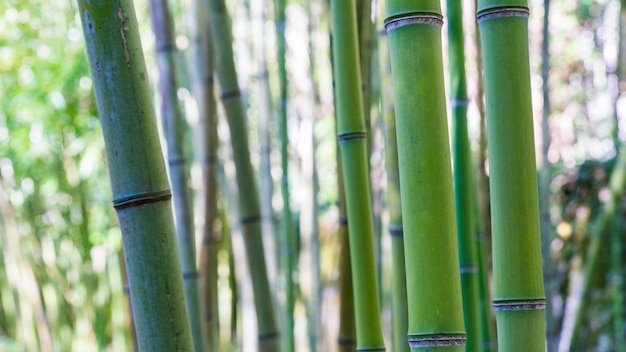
[463,187]
[249,209]
[432,259]
[174,130]
[141,194]
[287,243]
[353,147]
[518,296]
[205,97]
[399,316]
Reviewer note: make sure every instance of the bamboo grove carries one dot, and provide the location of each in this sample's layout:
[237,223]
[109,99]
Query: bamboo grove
[320,175]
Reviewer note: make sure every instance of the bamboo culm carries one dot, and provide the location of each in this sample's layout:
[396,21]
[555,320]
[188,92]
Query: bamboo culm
[141,194]
[518,297]
[174,130]
[353,147]
[249,206]
[205,96]
[399,317]
[287,242]
[432,258]
[468,253]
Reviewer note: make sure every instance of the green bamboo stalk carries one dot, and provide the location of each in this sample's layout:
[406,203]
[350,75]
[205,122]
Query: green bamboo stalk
[463,187]
[141,194]
[249,206]
[597,232]
[432,259]
[353,147]
[518,296]
[617,286]
[287,244]
[346,341]
[483,210]
[174,130]
[266,188]
[552,332]
[205,97]
[399,315]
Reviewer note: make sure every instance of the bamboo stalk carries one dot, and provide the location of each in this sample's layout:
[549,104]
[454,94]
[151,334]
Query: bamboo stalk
[552,333]
[287,243]
[617,286]
[463,187]
[141,194]
[205,97]
[432,259]
[398,287]
[174,130]
[249,206]
[518,297]
[353,147]
[346,340]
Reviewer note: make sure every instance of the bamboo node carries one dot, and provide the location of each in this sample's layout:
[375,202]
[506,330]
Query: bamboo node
[416,18]
[141,199]
[192,275]
[250,219]
[469,270]
[346,341]
[166,48]
[268,336]
[501,12]
[459,102]
[532,304]
[231,94]
[346,136]
[396,231]
[447,340]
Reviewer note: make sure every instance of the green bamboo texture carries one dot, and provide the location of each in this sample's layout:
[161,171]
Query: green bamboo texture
[430,244]
[287,243]
[174,130]
[346,341]
[141,194]
[205,97]
[463,187]
[597,231]
[353,147]
[399,317]
[483,211]
[518,296]
[249,206]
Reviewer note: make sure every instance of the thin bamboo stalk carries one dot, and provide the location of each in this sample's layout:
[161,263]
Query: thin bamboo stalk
[483,209]
[205,97]
[432,258]
[287,243]
[249,206]
[552,333]
[353,147]
[346,340]
[617,286]
[518,296]
[174,130]
[470,280]
[141,194]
